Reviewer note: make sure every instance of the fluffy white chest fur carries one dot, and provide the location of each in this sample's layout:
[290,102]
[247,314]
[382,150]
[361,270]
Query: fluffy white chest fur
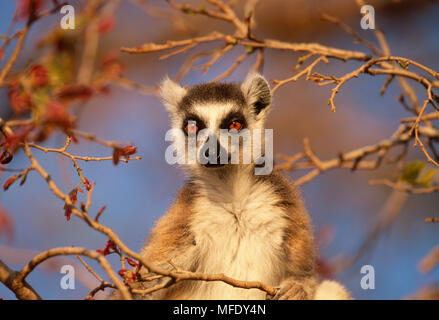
[238,231]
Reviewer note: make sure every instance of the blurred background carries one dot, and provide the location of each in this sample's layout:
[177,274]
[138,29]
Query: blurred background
[344,207]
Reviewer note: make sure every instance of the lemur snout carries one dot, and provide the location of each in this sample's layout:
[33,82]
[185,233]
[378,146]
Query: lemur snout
[211,157]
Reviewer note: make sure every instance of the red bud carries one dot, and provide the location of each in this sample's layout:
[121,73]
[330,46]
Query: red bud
[10,181]
[6,157]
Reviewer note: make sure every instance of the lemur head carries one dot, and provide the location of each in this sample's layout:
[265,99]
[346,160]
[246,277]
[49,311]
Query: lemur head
[208,110]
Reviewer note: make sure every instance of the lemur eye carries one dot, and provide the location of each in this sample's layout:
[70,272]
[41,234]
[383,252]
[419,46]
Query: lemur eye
[235,125]
[191,128]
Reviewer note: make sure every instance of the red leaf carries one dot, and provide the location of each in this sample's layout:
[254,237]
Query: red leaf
[116,156]
[39,76]
[106,24]
[6,224]
[74,195]
[108,247]
[74,92]
[121,272]
[111,245]
[131,262]
[111,66]
[12,143]
[106,90]
[86,183]
[123,152]
[127,275]
[20,101]
[24,7]
[128,151]
[68,212]
[57,114]
[325,236]
[323,268]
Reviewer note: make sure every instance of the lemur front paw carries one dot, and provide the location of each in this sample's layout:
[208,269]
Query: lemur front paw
[293,289]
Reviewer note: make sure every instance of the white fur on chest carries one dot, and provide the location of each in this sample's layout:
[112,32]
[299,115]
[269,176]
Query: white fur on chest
[238,232]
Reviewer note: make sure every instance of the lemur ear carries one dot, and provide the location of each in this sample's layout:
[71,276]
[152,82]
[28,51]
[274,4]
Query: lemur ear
[172,94]
[256,92]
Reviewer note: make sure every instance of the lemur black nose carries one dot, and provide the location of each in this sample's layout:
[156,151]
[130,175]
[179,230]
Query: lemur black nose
[211,160]
[219,150]
[206,153]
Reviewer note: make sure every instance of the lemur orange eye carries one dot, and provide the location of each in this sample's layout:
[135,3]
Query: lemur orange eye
[235,125]
[191,128]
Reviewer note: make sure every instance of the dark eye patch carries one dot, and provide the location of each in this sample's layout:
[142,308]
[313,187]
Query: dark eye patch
[192,117]
[233,116]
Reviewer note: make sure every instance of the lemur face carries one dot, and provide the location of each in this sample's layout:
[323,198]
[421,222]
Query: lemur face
[212,115]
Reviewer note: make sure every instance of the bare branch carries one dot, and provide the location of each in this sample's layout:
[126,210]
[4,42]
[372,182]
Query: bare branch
[16,284]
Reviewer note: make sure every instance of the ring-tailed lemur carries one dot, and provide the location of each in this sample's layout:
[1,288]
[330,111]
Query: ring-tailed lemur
[228,220]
